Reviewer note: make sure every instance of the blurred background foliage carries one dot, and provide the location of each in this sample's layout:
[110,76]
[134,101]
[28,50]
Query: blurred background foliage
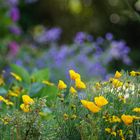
[32,32]
[120,17]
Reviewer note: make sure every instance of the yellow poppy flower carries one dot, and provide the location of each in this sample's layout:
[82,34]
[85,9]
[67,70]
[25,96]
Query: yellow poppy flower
[25,108]
[100,101]
[116,83]
[61,85]
[127,119]
[73,90]
[27,100]
[84,103]
[117,75]
[92,107]
[74,75]
[79,84]
[17,77]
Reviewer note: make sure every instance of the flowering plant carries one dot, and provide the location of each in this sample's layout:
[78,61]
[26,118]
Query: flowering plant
[33,107]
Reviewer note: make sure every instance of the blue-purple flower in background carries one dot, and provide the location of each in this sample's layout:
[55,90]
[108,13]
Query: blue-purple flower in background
[14,14]
[48,35]
[81,37]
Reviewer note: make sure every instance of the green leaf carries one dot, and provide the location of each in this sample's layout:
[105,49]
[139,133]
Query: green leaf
[35,90]
[40,75]
[21,72]
[50,92]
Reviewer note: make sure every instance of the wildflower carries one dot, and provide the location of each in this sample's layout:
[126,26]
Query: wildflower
[7,102]
[117,75]
[136,118]
[84,103]
[100,101]
[120,133]
[113,133]
[73,117]
[17,77]
[61,85]
[116,83]
[136,110]
[11,93]
[97,85]
[66,116]
[48,83]
[27,100]
[74,75]
[73,107]
[73,90]
[108,130]
[127,119]
[115,119]
[122,98]
[5,120]
[25,108]
[79,84]
[1,98]
[92,107]
[134,73]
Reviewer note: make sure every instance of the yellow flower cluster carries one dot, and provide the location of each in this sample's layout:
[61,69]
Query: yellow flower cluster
[14,92]
[95,107]
[79,84]
[77,78]
[116,83]
[112,132]
[27,101]
[136,110]
[7,102]
[112,119]
[134,73]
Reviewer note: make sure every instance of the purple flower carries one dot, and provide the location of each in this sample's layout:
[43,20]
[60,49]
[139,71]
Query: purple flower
[14,14]
[119,49]
[14,48]
[12,2]
[97,69]
[109,36]
[15,29]
[99,40]
[51,35]
[80,37]
[19,62]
